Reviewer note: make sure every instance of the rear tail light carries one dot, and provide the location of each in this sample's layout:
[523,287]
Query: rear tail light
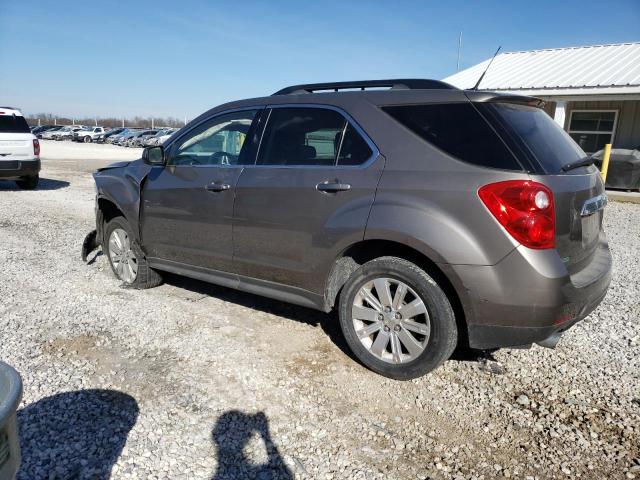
[36,148]
[525,209]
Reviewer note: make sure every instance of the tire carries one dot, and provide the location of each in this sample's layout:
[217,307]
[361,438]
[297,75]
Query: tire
[145,276]
[433,331]
[28,183]
[87,139]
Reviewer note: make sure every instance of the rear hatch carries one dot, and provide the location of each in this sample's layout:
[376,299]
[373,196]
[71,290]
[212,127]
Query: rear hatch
[550,154]
[16,140]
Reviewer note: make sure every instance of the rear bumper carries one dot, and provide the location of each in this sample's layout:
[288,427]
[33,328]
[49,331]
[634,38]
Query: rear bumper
[15,169]
[529,296]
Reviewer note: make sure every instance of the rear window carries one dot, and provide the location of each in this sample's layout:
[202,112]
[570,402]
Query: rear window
[537,134]
[459,130]
[13,124]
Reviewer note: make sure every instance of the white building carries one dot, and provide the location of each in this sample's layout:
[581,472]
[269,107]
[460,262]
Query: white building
[593,92]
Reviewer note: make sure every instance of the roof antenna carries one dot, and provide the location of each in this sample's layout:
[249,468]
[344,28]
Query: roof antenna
[475,87]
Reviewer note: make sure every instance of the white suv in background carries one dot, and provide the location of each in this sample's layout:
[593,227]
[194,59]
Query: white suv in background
[19,150]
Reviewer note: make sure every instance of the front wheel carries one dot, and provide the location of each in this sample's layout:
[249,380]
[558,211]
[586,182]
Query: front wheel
[87,139]
[28,183]
[396,319]
[125,257]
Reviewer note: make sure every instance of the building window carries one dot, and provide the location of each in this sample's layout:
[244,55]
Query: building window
[593,129]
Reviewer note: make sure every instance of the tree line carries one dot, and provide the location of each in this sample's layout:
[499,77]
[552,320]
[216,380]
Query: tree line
[143,122]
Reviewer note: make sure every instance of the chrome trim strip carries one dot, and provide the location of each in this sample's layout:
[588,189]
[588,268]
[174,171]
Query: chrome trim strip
[594,205]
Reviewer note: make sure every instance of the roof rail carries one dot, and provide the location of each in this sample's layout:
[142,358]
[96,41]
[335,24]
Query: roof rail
[399,84]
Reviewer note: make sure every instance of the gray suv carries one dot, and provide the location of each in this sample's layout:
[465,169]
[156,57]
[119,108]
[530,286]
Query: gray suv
[426,215]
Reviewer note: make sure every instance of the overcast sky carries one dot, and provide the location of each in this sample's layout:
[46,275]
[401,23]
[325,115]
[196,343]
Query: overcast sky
[180,58]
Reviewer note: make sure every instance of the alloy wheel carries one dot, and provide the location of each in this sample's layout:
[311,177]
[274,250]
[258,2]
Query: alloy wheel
[122,257]
[391,320]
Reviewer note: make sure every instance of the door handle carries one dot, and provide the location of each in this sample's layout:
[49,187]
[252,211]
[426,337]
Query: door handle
[218,187]
[332,187]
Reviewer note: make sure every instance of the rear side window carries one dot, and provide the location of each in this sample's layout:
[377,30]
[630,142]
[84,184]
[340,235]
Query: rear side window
[311,137]
[13,124]
[537,134]
[354,150]
[457,129]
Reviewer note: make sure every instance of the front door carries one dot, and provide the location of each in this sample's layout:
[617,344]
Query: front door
[187,205]
[308,196]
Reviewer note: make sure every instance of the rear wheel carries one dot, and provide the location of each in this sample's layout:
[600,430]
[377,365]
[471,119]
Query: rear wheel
[396,319]
[28,183]
[125,256]
[87,139]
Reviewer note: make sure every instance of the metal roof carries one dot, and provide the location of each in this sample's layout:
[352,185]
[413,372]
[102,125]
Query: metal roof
[597,69]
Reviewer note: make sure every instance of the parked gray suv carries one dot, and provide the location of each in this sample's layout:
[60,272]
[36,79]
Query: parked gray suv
[426,215]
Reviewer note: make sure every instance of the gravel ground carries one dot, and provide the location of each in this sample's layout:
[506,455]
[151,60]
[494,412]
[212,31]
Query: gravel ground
[193,381]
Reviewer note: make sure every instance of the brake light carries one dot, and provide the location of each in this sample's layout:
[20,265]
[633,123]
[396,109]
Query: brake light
[525,209]
[36,148]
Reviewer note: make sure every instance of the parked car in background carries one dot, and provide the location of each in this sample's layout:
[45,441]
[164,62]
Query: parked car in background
[160,139]
[19,151]
[136,140]
[67,134]
[102,138]
[62,133]
[156,139]
[42,128]
[124,137]
[427,216]
[116,138]
[87,134]
[49,129]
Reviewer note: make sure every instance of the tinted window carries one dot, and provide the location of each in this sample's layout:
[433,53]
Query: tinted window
[459,130]
[354,150]
[302,136]
[543,138]
[13,124]
[218,141]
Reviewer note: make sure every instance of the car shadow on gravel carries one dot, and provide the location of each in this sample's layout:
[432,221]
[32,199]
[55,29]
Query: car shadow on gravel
[43,184]
[232,435]
[329,322]
[78,434]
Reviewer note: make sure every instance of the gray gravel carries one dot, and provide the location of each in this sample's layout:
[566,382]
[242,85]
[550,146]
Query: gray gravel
[195,381]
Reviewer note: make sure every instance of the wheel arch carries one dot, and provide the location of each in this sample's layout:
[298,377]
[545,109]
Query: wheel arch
[361,252]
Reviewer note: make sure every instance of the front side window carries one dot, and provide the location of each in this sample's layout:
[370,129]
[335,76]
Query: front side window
[592,130]
[219,141]
[311,137]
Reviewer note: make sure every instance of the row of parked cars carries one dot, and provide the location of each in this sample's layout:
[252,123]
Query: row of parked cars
[127,137]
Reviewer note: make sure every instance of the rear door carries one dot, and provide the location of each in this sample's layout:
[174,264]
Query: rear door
[187,208]
[16,141]
[308,196]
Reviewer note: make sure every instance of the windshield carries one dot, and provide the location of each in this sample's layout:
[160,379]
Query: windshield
[13,124]
[537,132]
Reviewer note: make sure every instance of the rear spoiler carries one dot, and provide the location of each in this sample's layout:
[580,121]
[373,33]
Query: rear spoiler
[494,97]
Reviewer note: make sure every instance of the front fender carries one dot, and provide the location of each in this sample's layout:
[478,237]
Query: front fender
[122,186]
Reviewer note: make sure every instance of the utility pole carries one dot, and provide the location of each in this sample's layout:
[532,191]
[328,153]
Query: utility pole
[152,123]
[122,122]
[459,52]
[185,120]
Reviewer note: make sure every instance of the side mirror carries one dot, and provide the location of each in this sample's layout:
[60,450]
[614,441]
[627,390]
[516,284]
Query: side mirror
[153,155]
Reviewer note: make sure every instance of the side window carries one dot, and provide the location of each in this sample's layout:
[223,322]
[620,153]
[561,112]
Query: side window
[457,129]
[354,150]
[218,141]
[302,136]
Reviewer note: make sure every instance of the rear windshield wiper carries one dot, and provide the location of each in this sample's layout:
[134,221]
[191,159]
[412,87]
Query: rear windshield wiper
[579,163]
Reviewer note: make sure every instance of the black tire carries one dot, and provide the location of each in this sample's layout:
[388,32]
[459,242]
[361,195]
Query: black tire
[146,276]
[443,335]
[87,139]
[28,183]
